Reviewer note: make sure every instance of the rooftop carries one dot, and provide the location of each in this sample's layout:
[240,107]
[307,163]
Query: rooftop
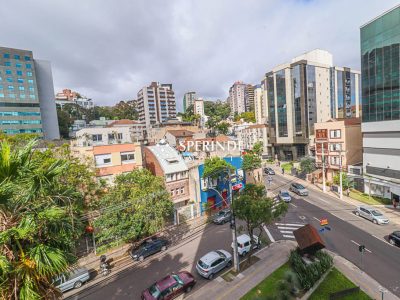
[169,159]
[181,133]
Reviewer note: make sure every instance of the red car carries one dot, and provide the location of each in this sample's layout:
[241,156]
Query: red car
[170,287]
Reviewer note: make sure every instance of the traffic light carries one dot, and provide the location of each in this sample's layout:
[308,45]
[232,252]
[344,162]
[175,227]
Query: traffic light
[361,248]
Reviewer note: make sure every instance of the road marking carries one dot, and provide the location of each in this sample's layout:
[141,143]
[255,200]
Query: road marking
[293,205]
[360,245]
[269,234]
[288,236]
[289,224]
[284,231]
[287,228]
[323,200]
[317,219]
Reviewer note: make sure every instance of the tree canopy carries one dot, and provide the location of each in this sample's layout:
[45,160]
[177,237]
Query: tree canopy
[251,162]
[307,165]
[346,183]
[214,166]
[247,116]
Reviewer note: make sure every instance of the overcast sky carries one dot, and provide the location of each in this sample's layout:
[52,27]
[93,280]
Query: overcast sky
[108,50]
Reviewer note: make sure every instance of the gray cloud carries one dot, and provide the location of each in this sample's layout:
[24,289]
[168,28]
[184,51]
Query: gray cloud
[108,50]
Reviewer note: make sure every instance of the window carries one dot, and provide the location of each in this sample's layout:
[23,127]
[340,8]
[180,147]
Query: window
[19,73]
[30,81]
[7,64]
[11,95]
[177,191]
[119,136]
[27,58]
[32,96]
[29,74]
[127,156]
[18,65]
[102,159]
[335,160]
[6,55]
[21,88]
[31,89]
[335,147]
[1,87]
[335,134]
[9,79]
[97,137]
[20,80]
[22,96]
[1,95]
[182,190]
[8,72]
[16,56]
[28,66]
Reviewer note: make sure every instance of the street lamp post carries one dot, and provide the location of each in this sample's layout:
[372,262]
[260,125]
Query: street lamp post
[340,175]
[323,168]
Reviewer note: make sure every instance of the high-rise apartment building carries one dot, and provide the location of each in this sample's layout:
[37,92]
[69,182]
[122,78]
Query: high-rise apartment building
[156,104]
[26,95]
[188,100]
[345,93]
[249,97]
[236,97]
[260,105]
[380,72]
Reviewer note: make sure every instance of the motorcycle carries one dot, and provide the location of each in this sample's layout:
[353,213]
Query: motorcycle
[104,266]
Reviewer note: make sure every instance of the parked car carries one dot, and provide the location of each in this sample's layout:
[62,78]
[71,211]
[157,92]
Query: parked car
[243,242]
[372,214]
[149,247]
[170,287]
[222,216]
[298,189]
[394,238]
[71,280]
[284,196]
[213,262]
[269,171]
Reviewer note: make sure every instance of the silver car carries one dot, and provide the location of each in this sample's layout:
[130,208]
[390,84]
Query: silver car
[372,214]
[222,216]
[71,280]
[213,262]
[284,196]
[298,189]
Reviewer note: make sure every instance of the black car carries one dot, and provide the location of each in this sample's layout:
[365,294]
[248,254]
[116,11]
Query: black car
[394,238]
[269,171]
[149,247]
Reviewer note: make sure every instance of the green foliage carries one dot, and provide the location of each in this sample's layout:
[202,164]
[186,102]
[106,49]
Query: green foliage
[39,211]
[219,110]
[307,165]
[223,128]
[64,123]
[137,206]
[247,116]
[256,209]
[251,162]
[346,183]
[309,274]
[215,166]
[287,167]
[258,148]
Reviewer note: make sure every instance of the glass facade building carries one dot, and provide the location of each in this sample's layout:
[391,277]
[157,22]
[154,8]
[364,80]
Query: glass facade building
[380,41]
[281,103]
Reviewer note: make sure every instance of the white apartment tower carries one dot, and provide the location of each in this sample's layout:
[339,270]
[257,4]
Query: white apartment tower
[237,94]
[156,104]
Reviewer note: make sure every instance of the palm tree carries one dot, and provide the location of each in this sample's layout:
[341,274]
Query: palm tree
[36,223]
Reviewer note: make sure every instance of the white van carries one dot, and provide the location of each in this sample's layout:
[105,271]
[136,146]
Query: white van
[243,242]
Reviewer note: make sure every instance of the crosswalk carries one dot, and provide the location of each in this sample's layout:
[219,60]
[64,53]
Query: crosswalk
[286,229]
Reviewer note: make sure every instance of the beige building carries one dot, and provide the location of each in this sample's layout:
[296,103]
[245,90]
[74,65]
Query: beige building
[340,142]
[253,134]
[260,104]
[237,97]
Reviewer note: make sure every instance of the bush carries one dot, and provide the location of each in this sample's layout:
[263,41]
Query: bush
[309,274]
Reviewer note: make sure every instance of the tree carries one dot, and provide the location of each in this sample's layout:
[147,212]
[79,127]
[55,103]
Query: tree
[251,162]
[258,148]
[217,109]
[214,166]
[256,209]
[247,116]
[307,165]
[64,123]
[137,206]
[38,222]
[223,128]
[345,180]
[212,125]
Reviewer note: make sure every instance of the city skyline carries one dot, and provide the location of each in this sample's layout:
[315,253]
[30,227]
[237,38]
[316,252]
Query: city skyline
[184,43]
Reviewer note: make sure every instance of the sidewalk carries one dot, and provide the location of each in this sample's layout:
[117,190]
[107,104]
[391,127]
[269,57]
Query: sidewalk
[271,258]
[392,213]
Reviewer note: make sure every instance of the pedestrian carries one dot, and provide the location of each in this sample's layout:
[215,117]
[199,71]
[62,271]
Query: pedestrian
[348,192]
[283,171]
[269,179]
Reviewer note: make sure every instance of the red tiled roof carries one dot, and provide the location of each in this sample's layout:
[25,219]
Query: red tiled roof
[180,133]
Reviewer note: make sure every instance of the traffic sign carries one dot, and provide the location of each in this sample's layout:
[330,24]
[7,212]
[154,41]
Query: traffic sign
[237,186]
[324,222]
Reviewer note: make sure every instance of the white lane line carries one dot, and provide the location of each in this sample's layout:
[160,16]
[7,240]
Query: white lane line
[288,236]
[287,228]
[289,224]
[269,234]
[360,245]
[293,205]
[323,200]
[368,250]
[286,231]
[317,219]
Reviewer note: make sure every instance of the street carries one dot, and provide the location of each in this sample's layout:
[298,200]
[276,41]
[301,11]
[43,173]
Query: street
[380,260]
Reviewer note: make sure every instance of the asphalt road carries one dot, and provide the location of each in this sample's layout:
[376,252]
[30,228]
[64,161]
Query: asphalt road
[380,260]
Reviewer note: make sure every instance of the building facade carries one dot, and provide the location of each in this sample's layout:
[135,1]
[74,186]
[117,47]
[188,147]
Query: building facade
[26,95]
[380,81]
[164,161]
[156,104]
[260,105]
[345,93]
[188,100]
[237,93]
[253,134]
[249,97]
[339,144]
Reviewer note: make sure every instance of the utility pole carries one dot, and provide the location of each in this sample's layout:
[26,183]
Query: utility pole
[236,265]
[340,174]
[323,169]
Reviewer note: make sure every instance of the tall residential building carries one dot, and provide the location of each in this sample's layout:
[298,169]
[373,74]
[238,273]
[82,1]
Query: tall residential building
[156,104]
[236,97]
[249,97]
[345,93]
[188,100]
[380,43]
[260,104]
[301,93]
[26,95]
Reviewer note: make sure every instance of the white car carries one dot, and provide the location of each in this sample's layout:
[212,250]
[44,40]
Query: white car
[213,262]
[372,214]
[243,242]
